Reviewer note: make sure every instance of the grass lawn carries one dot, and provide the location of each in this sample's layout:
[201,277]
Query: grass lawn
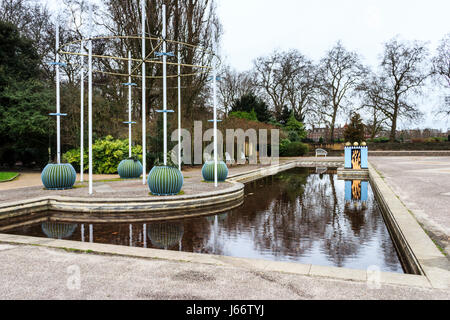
[4,176]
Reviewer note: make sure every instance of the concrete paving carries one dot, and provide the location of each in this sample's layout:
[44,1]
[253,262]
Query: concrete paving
[41,273]
[423,185]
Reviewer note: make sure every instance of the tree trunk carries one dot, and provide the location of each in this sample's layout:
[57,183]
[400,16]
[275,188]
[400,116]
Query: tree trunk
[393,134]
[333,123]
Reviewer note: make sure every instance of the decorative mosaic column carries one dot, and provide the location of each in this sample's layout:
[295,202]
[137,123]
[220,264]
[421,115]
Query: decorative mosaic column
[356,157]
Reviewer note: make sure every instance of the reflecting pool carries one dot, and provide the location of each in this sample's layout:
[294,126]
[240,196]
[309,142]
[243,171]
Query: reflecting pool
[301,215]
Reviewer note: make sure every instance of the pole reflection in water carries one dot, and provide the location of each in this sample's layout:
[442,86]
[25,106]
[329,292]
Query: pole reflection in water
[91,233]
[296,216]
[144,233]
[131,235]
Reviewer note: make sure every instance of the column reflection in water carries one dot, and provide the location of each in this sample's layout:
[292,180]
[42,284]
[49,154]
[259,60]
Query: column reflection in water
[356,193]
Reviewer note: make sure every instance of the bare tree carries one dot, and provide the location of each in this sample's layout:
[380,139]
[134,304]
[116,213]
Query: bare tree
[441,72]
[288,80]
[190,21]
[234,85]
[340,72]
[301,89]
[403,74]
[370,90]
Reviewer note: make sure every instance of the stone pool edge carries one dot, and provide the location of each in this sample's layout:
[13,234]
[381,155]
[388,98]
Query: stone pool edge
[433,275]
[416,246]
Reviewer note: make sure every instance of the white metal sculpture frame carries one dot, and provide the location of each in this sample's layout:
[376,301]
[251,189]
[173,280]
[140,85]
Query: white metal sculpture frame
[144,59]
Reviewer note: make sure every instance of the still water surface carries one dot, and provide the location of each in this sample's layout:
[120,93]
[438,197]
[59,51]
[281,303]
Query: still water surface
[295,216]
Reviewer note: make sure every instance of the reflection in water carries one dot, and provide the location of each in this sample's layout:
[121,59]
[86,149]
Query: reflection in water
[58,230]
[356,193]
[166,235]
[321,170]
[296,216]
[220,217]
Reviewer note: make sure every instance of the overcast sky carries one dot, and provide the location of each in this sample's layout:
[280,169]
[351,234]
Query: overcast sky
[254,28]
[257,27]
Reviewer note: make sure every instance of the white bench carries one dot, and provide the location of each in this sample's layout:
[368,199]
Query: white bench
[228,159]
[244,158]
[321,152]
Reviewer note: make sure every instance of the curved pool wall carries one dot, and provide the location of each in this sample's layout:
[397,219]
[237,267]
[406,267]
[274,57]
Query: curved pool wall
[294,216]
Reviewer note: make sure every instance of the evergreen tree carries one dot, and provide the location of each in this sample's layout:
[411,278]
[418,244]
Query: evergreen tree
[25,101]
[249,102]
[355,130]
[284,116]
[296,130]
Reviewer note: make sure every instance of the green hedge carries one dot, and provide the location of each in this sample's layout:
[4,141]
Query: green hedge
[293,149]
[107,154]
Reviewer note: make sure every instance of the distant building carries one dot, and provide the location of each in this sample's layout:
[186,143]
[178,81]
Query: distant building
[316,133]
[410,134]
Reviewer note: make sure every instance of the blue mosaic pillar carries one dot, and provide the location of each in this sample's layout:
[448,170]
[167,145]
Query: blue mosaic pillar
[363,158]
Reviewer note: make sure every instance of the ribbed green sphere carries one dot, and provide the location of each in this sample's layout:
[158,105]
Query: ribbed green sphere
[165,181]
[130,169]
[58,230]
[208,171]
[58,176]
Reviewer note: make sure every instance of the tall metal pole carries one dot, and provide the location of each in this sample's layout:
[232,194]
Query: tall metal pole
[144,119]
[90,99]
[82,117]
[215,127]
[164,34]
[179,110]
[215,116]
[58,100]
[129,103]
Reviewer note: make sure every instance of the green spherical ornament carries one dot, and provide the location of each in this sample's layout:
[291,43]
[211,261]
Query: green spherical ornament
[209,168]
[130,169]
[58,176]
[165,181]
